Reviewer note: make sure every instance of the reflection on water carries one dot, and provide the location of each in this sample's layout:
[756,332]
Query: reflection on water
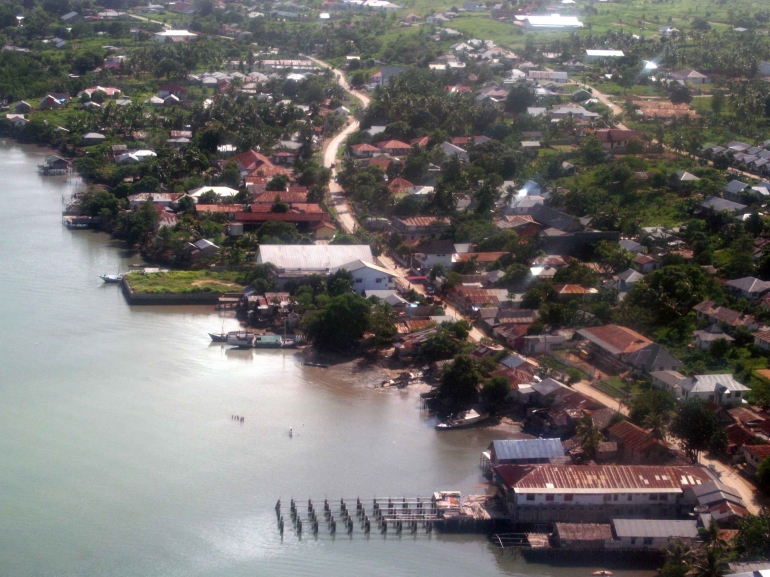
[118,454]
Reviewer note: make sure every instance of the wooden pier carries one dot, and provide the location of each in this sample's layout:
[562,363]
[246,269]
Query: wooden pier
[445,511]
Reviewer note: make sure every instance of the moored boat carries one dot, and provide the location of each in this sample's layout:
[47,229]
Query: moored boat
[242,339]
[218,337]
[462,419]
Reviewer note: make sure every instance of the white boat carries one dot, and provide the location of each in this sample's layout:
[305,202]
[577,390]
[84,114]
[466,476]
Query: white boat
[462,419]
[112,278]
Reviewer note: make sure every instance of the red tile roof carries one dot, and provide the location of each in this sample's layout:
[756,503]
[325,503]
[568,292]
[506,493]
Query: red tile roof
[615,339]
[632,437]
[761,452]
[393,144]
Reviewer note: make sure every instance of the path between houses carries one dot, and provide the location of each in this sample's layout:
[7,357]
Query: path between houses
[345,216]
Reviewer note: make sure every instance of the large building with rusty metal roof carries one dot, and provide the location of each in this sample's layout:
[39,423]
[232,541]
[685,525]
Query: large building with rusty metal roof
[596,493]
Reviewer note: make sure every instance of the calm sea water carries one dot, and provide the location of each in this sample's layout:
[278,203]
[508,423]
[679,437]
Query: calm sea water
[118,456]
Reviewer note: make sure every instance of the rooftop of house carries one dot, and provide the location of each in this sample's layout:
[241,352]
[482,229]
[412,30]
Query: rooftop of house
[519,449]
[724,315]
[749,284]
[651,357]
[584,531]
[666,528]
[615,339]
[633,437]
[601,478]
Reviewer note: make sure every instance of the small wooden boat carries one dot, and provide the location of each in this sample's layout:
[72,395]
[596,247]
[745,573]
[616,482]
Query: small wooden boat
[602,572]
[319,365]
[462,419]
[218,337]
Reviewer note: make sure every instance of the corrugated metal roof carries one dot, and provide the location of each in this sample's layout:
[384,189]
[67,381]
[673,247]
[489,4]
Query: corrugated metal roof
[513,449]
[313,257]
[601,478]
[584,531]
[655,528]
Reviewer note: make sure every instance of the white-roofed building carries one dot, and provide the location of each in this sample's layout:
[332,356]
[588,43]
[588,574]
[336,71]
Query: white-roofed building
[175,36]
[599,54]
[298,261]
[368,276]
[220,191]
[550,21]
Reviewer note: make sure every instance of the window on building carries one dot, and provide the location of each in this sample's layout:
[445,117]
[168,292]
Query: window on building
[653,497]
[630,497]
[569,497]
[648,540]
[530,497]
[378,281]
[615,497]
[359,280]
[607,497]
[633,540]
[549,497]
[664,497]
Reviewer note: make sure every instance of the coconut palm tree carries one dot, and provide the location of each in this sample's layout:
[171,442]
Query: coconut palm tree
[710,536]
[589,434]
[711,564]
[657,423]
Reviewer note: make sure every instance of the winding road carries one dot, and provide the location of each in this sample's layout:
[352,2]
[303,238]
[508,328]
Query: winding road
[345,216]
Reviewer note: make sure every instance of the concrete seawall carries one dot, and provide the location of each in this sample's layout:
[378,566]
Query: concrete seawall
[167,298]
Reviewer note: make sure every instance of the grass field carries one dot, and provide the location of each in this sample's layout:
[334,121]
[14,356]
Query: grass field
[612,386]
[185,282]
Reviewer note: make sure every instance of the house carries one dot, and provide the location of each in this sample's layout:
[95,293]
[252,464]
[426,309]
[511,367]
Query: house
[726,318]
[520,452]
[295,262]
[56,163]
[668,31]
[754,455]
[70,17]
[53,101]
[135,157]
[453,150]
[689,76]
[323,230]
[512,334]
[596,493]
[592,55]
[418,227]
[364,150]
[683,179]
[616,140]
[748,287]
[611,344]
[653,534]
[718,204]
[549,76]
[762,340]
[644,263]
[172,90]
[551,218]
[550,22]
[636,445]
[222,192]
[163,199]
[565,292]
[368,276]
[109,91]
[723,504]
[582,536]
[92,138]
[427,254]
[734,190]
[202,249]
[705,338]
[652,358]
[175,36]
[23,107]
[722,389]
[255,163]
[541,344]
[626,280]
[394,147]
